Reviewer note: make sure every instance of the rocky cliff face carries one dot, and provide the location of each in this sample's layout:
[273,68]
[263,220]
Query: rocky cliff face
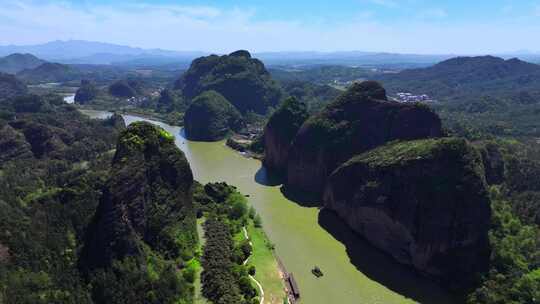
[494,163]
[424,202]
[147,200]
[280,132]
[211,117]
[358,120]
[86,92]
[241,79]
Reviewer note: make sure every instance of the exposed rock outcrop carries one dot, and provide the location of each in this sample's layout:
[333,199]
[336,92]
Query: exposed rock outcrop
[86,92]
[424,202]
[211,117]
[242,80]
[116,121]
[147,200]
[494,162]
[358,120]
[280,132]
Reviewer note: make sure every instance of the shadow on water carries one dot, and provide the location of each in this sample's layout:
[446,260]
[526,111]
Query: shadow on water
[302,198]
[266,178]
[380,267]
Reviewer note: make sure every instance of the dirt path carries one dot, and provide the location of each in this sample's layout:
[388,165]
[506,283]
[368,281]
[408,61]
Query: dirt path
[251,277]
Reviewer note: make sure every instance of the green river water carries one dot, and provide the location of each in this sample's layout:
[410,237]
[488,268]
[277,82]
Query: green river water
[354,272]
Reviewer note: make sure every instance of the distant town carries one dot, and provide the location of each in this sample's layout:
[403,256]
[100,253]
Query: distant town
[409,97]
[403,97]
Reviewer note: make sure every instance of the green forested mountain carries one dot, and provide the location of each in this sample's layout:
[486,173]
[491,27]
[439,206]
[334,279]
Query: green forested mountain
[54,161]
[49,72]
[357,120]
[15,63]
[241,79]
[469,77]
[63,237]
[143,230]
[478,97]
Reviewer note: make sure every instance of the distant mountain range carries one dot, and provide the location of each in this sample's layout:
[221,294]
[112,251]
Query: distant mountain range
[33,70]
[88,52]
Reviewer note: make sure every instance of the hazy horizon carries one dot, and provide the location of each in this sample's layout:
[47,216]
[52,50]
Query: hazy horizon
[387,26]
[516,52]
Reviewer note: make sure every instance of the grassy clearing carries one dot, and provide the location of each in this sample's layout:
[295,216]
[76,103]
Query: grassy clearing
[267,272]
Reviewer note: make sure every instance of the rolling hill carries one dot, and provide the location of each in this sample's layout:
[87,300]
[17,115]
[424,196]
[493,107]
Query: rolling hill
[50,72]
[17,62]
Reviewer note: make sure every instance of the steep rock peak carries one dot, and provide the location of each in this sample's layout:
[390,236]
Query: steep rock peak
[147,200]
[368,88]
[142,137]
[241,53]
[424,202]
[358,120]
[280,131]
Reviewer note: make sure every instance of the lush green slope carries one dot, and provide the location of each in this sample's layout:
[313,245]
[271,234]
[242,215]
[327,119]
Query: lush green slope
[50,72]
[11,86]
[15,63]
[49,189]
[211,117]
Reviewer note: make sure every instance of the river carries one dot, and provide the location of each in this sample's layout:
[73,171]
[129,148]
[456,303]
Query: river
[69,98]
[354,272]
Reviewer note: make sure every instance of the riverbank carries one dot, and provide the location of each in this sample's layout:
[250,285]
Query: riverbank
[267,270]
[238,142]
[354,272]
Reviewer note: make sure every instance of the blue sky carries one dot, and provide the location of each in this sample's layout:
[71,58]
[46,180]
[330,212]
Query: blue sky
[406,26]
